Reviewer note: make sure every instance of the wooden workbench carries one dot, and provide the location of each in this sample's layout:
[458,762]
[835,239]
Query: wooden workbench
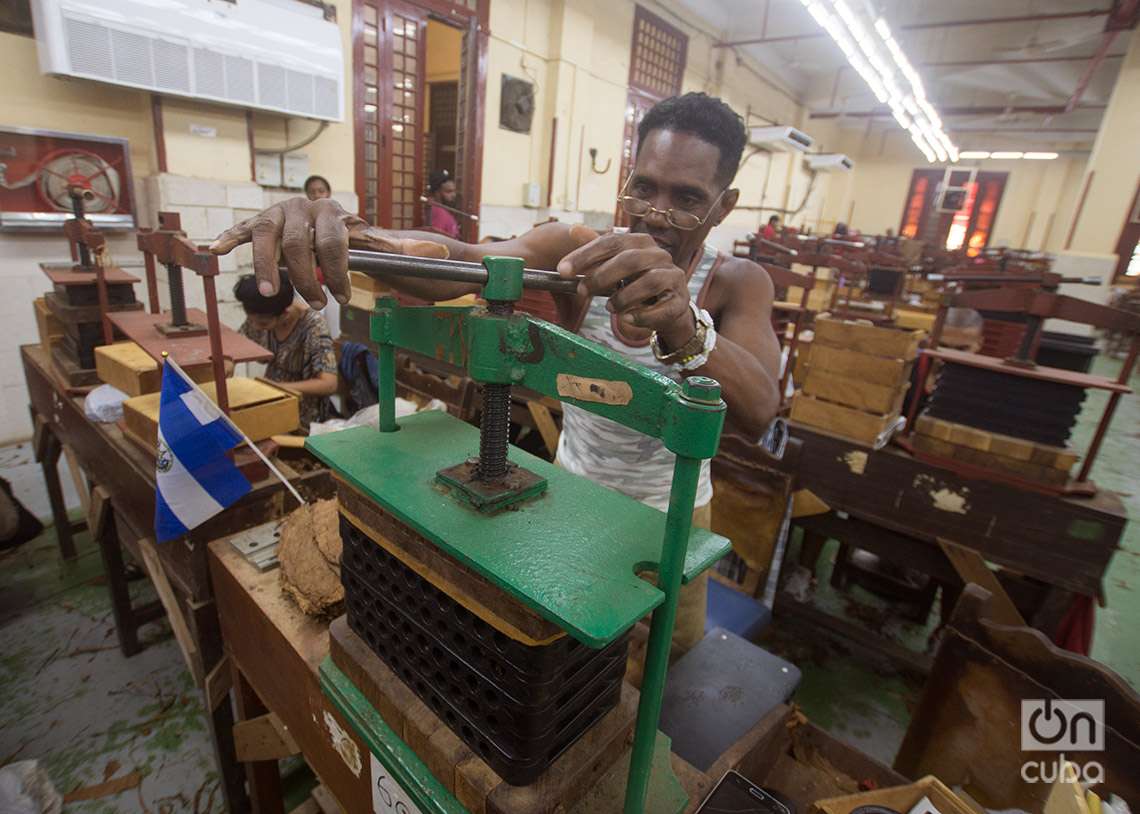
[276,652]
[908,505]
[123,488]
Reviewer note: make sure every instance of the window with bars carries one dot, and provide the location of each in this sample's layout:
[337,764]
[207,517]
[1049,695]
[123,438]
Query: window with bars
[656,69]
[657,56]
[407,93]
[390,98]
[369,80]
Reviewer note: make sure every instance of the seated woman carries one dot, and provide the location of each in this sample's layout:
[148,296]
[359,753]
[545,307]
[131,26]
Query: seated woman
[299,339]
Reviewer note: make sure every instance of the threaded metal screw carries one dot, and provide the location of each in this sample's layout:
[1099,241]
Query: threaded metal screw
[495,426]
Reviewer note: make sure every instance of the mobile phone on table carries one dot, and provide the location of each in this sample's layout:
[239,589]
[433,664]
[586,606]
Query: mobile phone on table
[736,794]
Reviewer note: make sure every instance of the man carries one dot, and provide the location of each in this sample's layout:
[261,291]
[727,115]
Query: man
[678,306]
[442,194]
[772,229]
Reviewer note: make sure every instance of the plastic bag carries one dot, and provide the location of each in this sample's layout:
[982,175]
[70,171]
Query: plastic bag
[370,416]
[105,404]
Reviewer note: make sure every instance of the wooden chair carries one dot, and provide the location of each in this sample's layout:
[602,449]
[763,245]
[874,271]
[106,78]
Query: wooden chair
[967,727]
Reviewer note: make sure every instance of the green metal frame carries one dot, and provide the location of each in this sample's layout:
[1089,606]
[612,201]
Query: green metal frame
[518,349]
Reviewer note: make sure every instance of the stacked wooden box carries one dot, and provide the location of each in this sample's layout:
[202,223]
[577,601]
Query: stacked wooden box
[855,378]
[128,367]
[74,302]
[1016,457]
[259,410]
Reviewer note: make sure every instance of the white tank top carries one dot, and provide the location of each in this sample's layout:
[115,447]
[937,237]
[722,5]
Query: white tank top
[616,456]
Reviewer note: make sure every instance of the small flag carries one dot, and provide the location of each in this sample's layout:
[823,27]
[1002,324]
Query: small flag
[195,478]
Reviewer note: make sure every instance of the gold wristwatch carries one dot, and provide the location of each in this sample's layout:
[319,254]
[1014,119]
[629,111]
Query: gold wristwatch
[693,348]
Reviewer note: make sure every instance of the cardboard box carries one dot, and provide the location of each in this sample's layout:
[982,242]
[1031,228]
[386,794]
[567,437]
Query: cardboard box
[127,366]
[259,409]
[892,343]
[898,798]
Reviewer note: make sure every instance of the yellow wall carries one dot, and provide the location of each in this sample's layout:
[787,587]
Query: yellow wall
[577,52]
[31,99]
[1115,160]
[1034,211]
[80,106]
[223,156]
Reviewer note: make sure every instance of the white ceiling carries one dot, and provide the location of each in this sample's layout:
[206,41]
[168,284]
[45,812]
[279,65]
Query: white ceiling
[815,72]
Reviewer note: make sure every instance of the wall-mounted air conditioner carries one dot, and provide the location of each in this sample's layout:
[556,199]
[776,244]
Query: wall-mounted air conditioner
[783,139]
[828,162]
[278,55]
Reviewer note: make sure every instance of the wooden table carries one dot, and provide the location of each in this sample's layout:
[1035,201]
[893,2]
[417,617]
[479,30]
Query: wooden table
[1065,542]
[275,651]
[122,516]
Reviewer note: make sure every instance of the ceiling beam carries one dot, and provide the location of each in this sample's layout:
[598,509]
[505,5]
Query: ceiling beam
[982,110]
[1035,18]
[1090,69]
[1025,130]
[963,63]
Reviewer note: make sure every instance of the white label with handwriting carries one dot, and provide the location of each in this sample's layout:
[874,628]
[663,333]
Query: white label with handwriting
[388,796]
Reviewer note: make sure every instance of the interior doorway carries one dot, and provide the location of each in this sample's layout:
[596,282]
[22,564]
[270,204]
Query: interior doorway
[441,124]
[420,75]
[952,209]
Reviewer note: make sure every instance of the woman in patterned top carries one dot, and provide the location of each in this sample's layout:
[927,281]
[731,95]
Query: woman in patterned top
[299,339]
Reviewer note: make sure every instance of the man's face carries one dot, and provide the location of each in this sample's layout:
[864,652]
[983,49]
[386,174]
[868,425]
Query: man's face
[447,193]
[677,171]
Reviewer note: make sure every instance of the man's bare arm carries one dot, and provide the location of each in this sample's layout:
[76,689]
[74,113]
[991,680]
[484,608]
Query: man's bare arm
[746,360]
[298,229]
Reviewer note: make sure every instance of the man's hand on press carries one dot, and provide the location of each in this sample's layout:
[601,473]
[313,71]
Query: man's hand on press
[298,227]
[645,288]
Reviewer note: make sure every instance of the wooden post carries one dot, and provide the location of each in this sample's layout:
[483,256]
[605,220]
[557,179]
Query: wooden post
[1109,409]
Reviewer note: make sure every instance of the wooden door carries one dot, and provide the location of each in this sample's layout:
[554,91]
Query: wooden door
[389,46]
[406,29]
[389,58]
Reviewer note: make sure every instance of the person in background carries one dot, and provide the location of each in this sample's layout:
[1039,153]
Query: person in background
[772,229]
[441,190]
[840,231]
[316,187]
[299,339]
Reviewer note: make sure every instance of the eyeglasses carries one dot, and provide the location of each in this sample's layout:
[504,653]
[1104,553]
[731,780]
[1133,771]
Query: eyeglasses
[677,218]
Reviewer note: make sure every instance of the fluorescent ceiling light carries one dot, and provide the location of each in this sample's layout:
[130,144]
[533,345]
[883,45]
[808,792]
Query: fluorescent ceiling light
[974,154]
[1040,156]
[1007,154]
[879,60]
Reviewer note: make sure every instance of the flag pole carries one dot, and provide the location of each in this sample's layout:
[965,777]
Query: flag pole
[177,369]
